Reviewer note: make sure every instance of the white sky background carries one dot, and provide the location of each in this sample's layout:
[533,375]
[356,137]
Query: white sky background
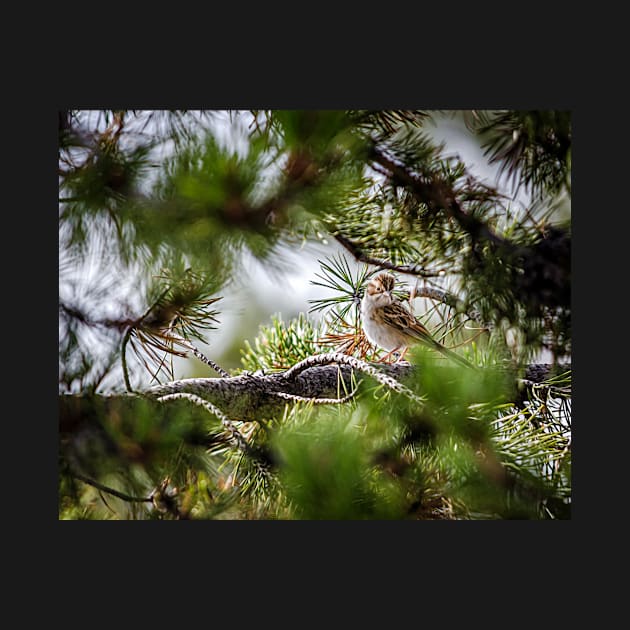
[288,292]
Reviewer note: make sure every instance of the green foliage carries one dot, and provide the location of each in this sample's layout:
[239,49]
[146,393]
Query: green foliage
[206,201]
[130,445]
[500,459]
[103,172]
[317,131]
[347,287]
[532,147]
[179,313]
[281,345]
[183,303]
[156,212]
[469,453]
[327,473]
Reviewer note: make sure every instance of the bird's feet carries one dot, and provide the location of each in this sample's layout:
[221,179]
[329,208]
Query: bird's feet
[394,356]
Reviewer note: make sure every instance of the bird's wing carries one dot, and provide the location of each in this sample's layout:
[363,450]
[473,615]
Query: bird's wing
[400,318]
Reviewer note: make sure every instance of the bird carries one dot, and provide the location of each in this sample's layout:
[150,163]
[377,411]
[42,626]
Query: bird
[390,326]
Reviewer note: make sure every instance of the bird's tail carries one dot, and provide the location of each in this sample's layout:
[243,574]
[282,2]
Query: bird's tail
[454,356]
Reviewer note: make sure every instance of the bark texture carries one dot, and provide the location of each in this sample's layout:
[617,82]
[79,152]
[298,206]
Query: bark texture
[255,396]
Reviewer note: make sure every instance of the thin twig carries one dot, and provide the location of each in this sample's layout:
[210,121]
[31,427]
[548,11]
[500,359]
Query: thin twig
[116,493]
[258,456]
[361,256]
[438,295]
[316,401]
[217,368]
[124,359]
[225,421]
[254,453]
[453,301]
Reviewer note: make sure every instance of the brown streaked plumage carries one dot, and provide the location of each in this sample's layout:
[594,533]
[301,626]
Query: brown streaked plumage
[389,325]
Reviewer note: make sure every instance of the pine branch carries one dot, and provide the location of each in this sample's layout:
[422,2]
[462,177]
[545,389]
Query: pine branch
[253,396]
[437,197]
[532,147]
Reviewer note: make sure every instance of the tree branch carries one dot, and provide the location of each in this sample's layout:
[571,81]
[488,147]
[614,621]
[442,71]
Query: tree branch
[115,493]
[434,196]
[361,256]
[450,299]
[252,397]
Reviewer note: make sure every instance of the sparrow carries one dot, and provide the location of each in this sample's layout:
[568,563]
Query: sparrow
[392,327]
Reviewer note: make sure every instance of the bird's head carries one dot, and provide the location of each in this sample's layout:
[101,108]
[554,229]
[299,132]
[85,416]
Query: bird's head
[379,289]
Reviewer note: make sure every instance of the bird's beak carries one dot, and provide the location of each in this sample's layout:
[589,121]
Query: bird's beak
[388,294]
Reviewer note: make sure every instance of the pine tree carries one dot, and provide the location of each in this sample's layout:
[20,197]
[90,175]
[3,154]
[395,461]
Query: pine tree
[157,211]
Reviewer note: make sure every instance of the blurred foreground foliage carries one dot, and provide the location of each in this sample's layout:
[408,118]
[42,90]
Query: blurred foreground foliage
[156,212]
